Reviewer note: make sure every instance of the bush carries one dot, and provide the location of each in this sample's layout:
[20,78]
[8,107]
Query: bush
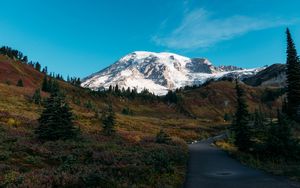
[13,122]
[159,160]
[162,137]
[20,83]
[127,111]
[95,180]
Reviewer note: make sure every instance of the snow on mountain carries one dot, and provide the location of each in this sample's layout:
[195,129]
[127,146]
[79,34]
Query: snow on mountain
[160,72]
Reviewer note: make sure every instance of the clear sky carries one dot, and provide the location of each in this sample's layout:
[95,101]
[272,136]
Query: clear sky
[79,37]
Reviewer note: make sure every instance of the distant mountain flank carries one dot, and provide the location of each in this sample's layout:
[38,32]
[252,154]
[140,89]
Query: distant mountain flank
[273,75]
[160,72]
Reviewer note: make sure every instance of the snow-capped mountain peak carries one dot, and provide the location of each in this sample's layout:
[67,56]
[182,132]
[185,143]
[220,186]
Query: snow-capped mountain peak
[160,72]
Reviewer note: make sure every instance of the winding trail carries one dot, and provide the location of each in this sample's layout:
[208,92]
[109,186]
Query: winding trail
[210,167]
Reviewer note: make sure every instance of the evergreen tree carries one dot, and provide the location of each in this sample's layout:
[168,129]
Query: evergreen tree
[56,121]
[293,79]
[241,126]
[110,89]
[45,70]
[45,85]
[280,141]
[37,66]
[37,99]
[25,59]
[171,97]
[20,83]
[108,121]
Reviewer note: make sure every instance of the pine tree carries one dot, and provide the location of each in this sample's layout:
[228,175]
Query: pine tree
[37,97]
[108,121]
[171,97]
[25,59]
[241,126]
[37,66]
[56,121]
[45,85]
[293,79]
[20,83]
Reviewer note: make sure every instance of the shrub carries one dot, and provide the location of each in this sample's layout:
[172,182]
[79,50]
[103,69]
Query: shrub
[160,161]
[108,121]
[95,180]
[20,83]
[37,99]
[127,111]
[162,137]
[4,155]
[13,122]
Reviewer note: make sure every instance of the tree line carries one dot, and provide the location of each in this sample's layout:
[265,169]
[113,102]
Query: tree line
[18,55]
[261,135]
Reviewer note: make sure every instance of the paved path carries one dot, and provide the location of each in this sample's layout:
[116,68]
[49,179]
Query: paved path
[210,167]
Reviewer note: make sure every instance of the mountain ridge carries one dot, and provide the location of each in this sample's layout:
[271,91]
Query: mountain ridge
[160,72]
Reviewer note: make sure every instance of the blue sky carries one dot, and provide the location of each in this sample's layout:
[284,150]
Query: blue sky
[80,37]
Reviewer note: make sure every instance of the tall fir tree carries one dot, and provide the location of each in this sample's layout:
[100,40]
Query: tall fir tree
[56,121]
[241,127]
[293,79]
[108,121]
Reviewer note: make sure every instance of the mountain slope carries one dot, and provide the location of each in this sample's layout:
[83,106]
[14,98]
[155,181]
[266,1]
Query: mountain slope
[160,72]
[11,71]
[273,75]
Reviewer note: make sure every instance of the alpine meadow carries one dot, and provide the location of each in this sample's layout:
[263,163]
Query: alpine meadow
[148,94]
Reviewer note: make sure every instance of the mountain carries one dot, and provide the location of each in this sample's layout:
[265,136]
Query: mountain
[273,75]
[160,72]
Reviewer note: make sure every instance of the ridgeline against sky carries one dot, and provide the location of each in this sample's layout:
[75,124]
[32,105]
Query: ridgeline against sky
[78,37]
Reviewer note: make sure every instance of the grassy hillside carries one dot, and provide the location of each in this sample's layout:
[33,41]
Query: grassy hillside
[131,158]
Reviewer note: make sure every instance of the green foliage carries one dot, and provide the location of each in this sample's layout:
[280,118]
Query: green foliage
[49,85]
[74,81]
[162,137]
[240,125]
[108,121]
[280,140]
[293,79]
[160,160]
[171,97]
[20,83]
[127,111]
[37,66]
[95,180]
[56,121]
[227,117]
[270,95]
[131,94]
[76,101]
[37,99]
[12,53]
[89,105]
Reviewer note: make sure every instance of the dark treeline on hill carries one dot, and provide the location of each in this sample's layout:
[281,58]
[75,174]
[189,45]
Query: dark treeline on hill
[128,93]
[262,136]
[16,54]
